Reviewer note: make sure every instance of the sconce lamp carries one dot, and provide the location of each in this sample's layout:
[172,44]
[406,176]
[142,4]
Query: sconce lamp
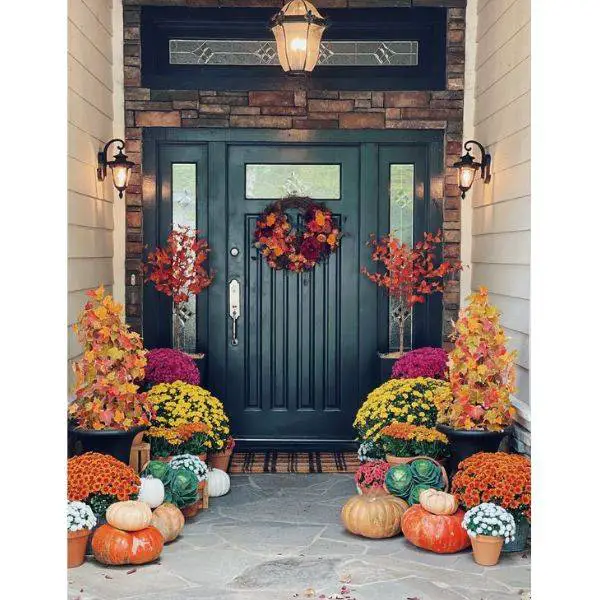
[120,166]
[298,28]
[467,167]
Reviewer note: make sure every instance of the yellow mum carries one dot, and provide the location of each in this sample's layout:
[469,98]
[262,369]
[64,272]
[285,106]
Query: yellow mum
[179,403]
[400,400]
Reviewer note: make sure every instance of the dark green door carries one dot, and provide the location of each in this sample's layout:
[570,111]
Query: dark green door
[304,352]
[294,372]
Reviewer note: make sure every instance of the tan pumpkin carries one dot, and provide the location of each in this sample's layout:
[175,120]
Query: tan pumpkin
[438,503]
[169,520]
[131,515]
[374,516]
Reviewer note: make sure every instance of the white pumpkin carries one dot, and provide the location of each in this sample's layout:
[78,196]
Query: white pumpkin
[218,483]
[152,491]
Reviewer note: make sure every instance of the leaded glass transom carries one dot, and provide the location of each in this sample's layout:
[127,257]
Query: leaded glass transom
[274,181]
[260,53]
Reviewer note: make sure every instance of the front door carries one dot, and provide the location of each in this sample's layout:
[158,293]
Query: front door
[303,352]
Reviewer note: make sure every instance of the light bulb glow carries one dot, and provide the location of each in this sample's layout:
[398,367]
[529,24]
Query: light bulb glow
[298,44]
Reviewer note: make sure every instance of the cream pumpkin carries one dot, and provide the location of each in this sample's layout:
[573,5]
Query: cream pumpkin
[438,503]
[169,520]
[218,483]
[152,491]
[131,515]
[374,516]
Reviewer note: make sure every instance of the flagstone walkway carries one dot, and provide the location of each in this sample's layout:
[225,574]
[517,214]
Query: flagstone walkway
[279,537]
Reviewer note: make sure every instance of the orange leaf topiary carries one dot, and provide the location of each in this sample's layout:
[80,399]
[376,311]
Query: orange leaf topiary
[482,370]
[410,274]
[106,395]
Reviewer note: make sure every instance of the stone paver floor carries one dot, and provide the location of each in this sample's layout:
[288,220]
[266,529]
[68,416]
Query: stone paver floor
[279,537]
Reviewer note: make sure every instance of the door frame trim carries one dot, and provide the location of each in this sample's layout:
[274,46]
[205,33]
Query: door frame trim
[219,139]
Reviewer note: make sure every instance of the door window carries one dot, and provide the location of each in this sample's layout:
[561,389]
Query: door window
[402,185]
[272,182]
[183,177]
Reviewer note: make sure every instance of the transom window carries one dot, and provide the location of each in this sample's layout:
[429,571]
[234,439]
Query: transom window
[260,52]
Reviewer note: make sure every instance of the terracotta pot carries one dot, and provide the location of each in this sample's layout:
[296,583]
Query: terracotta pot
[397,460]
[372,491]
[486,549]
[220,460]
[77,543]
[193,509]
[402,460]
[167,459]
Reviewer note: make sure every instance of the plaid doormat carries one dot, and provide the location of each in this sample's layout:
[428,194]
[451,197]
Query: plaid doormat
[294,462]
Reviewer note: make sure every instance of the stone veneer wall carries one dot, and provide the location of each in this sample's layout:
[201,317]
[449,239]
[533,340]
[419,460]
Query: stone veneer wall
[295,110]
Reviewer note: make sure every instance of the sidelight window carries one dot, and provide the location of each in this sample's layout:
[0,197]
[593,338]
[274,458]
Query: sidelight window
[402,185]
[183,199]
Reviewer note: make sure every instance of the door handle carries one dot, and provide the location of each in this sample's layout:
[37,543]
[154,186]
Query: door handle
[234,309]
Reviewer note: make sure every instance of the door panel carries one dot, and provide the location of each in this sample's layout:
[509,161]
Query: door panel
[297,360]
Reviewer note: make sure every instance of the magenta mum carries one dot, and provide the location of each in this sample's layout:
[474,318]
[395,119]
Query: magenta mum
[423,362]
[166,365]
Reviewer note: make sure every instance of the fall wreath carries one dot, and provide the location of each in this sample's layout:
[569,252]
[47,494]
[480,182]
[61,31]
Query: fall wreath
[296,248]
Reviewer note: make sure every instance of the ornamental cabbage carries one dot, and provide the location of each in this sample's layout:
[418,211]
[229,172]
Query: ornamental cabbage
[182,489]
[415,492]
[426,471]
[399,480]
[158,470]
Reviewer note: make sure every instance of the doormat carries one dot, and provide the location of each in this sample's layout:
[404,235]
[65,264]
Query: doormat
[293,462]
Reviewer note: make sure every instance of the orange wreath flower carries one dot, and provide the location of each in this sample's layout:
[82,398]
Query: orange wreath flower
[498,477]
[93,473]
[285,247]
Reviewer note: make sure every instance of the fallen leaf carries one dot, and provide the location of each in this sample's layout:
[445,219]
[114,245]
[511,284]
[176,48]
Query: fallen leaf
[107,577]
[345,590]
[345,579]
[131,571]
[309,593]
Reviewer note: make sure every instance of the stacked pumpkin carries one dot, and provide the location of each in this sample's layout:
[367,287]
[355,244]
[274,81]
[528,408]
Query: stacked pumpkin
[128,538]
[435,524]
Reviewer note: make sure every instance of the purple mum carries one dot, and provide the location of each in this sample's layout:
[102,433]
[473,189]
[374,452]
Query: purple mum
[423,362]
[166,365]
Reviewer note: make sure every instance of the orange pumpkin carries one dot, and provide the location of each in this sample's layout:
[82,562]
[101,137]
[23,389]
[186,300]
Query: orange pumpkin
[442,534]
[374,516]
[111,546]
[169,520]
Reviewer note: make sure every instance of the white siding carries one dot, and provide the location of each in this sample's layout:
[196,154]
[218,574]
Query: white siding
[91,123]
[500,221]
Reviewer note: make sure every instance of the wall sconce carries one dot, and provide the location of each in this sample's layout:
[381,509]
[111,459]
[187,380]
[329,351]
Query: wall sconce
[298,28]
[467,167]
[120,166]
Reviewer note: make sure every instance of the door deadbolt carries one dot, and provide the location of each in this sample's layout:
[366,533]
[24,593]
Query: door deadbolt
[234,251]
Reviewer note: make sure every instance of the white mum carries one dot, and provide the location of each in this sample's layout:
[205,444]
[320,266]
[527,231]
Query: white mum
[490,519]
[79,516]
[192,463]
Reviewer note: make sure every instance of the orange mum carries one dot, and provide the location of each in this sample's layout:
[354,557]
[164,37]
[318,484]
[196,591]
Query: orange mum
[498,477]
[94,473]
